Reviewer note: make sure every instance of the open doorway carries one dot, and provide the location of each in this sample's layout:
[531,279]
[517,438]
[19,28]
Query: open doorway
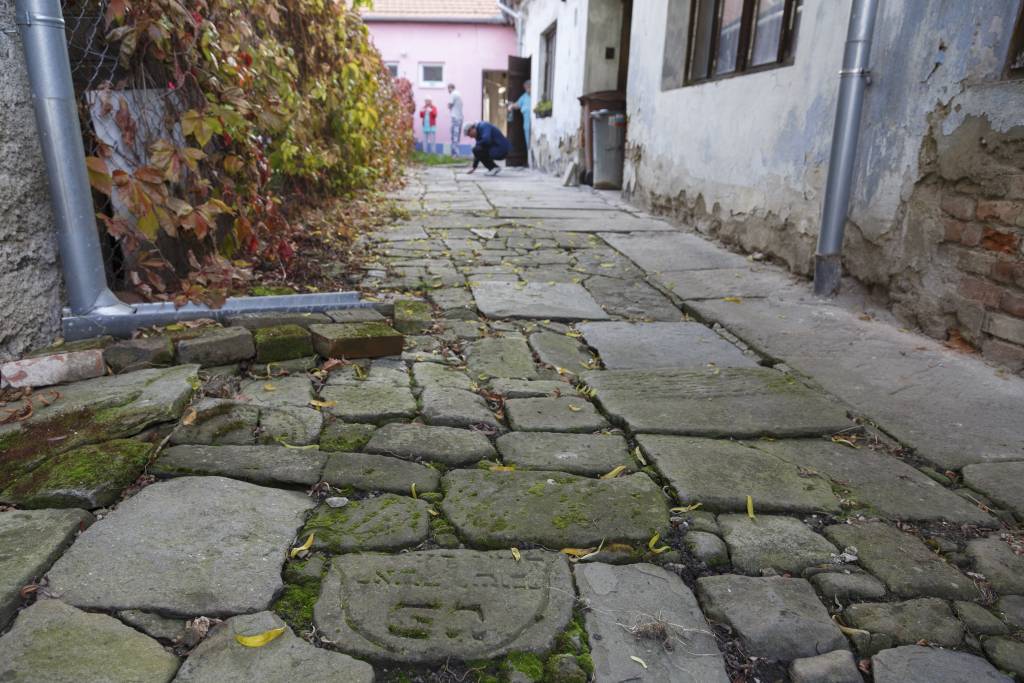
[495,105]
[518,74]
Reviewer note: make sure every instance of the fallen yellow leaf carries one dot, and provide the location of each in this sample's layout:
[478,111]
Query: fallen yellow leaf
[638,661]
[575,408]
[686,508]
[323,404]
[503,468]
[614,473]
[640,456]
[433,512]
[845,442]
[302,548]
[190,417]
[577,552]
[515,554]
[733,299]
[412,490]
[653,546]
[269,387]
[260,639]
[284,443]
[573,334]
[750,507]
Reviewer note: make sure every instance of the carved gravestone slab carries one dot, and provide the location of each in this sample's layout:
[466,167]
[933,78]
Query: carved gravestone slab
[427,607]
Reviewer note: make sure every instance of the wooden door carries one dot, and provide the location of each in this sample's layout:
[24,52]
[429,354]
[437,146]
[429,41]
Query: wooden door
[518,73]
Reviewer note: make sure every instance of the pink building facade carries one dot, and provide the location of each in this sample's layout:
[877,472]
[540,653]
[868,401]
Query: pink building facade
[432,49]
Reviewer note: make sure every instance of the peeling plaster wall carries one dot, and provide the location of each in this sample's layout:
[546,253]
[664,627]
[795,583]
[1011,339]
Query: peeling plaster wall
[30,281]
[745,159]
[555,140]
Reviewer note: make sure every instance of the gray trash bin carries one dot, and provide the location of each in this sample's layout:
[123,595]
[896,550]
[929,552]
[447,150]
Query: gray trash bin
[609,136]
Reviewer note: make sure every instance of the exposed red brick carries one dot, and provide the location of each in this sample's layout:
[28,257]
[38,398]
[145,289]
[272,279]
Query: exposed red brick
[1007,272]
[996,240]
[954,229]
[958,206]
[998,351]
[982,291]
[1000,210]
[970,236]
[1012,303]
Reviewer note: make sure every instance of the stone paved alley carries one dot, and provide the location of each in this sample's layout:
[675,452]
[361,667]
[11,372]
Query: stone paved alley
[610,450]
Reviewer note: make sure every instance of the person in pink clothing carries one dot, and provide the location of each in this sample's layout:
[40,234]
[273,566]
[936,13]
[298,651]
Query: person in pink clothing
[428,117]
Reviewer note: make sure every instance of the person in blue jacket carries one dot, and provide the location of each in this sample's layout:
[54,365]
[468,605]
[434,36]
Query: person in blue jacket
[490,145]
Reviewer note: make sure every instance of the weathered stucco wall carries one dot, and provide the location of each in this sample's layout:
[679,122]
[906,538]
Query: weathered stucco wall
[745,159]
[30,283]
[555,140]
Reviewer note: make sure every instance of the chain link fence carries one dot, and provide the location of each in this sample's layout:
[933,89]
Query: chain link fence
[125,105]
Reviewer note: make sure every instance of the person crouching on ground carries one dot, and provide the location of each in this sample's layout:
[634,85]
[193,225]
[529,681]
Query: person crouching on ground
[490,146]
[429,116]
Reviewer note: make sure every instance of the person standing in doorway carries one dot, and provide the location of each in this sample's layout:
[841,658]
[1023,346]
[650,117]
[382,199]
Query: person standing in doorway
[429,116]
[524,105]
[490,145]
[455,108]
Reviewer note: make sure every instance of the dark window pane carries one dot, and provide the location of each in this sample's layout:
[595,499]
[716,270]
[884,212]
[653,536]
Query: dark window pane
[550,45]
[433,73]
[1015,64]
[393,70]
[729,36]
[794,32]
[767,31]
[703,25]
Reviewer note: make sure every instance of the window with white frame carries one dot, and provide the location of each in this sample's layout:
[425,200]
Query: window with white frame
[392,68]
[431,74]
[548,46]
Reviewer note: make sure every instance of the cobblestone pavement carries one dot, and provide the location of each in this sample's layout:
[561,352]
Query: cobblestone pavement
[588,446]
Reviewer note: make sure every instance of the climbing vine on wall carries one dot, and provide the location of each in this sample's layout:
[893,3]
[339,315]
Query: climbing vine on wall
[225,113]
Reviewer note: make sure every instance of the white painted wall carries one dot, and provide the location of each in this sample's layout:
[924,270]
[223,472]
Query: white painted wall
[555,139]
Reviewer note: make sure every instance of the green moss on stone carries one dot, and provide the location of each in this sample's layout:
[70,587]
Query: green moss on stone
[270,290]
[89,476]
[526,663]
[281,343]
[295,605]
[345,438]
[408,632]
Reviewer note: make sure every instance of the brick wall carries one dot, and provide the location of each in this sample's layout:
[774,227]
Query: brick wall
[985,234]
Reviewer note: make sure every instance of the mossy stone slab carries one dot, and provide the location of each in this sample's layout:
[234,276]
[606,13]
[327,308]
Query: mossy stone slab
[539,300]
[561,351]
[290,425]
[256,321]
[385,522]
[412,317]
[282,342]
[507,357]
[726,402]
[369,472]
[921,664]
[783,544]
[193,545]
[586,454]
[1003,482]
[217,346]
[524,388]
[554,414]
[294,391]
[272,465]
[774,617]
[457,408]
[438,375]
[220,658]
[56,643]
[645,595]
[720,474]
[219,422]
[995,559]
[137,354]
[884,485]
[95,411]
[356,340]
[447,445]
[345,436]
[369,402]
[87,477]
[908,622]
[30,541]
[903,562]
[432,606]
[502,509]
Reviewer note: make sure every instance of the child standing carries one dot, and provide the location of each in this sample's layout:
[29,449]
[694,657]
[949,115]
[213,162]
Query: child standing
[429,116]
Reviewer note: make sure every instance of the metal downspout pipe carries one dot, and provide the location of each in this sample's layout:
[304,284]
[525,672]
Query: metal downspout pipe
[854,79]
[41,25]
[94,309]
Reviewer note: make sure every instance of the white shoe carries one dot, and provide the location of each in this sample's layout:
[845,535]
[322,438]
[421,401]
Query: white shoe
[494,171]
